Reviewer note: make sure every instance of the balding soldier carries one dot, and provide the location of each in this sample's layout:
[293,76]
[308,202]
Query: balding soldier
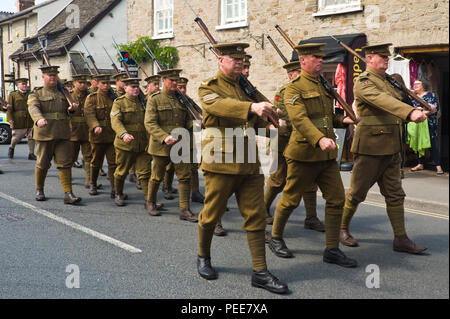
[97,112]
[19,118]
[277,180]
[225,105]
[311,155]
[165,113]
[377,146]
[49,110]
[79,128]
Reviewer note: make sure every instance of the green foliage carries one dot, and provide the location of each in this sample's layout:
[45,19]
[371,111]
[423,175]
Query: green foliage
[168,56]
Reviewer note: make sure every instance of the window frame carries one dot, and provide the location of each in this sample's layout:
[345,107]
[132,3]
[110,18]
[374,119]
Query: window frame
[239,24]
[157,33]
[324,10]
[10,32]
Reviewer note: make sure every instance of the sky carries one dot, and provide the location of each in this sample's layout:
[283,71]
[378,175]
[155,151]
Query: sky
[11,5]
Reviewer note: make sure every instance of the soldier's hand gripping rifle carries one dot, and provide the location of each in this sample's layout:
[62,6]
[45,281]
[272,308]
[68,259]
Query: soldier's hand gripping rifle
[187,102]
[390,79]
[125,67]
[244,83]
[324,82]
[60,87]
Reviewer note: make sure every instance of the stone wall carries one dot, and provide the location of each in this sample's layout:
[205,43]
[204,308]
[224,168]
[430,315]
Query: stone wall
[402,22]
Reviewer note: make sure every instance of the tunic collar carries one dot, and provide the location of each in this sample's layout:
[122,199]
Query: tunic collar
[227,78]
[309,76]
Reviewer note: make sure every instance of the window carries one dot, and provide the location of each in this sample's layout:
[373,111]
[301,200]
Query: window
[163,19]
[233,14]
[329,7]
[27,27]
[10,32]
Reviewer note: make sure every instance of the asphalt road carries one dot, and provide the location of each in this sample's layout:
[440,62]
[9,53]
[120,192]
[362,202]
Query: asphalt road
[125,253]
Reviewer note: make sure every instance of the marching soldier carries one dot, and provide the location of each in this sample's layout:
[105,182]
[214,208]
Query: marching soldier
[196,196]
[127,120]
[79,128]
[19,118]
[165,113]
[311,155]
[152,85]
[119,91]
[246,68]
[49,110]
[120,85]
[377,146]
[97,112]
[277,180]
[225,105]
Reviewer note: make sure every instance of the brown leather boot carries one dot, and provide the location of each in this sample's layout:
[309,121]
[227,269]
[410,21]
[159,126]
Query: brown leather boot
[346,239]
[152,208]
[188,215]
[94,176]
[406,245]
[70,198]
[219,231]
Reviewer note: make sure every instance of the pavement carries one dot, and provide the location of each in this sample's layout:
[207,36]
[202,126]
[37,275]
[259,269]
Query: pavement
[424,190]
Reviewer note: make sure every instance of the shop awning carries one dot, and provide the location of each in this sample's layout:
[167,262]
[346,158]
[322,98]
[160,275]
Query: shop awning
[335,53]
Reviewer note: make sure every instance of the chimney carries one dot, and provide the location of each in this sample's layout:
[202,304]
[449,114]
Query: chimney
[24,4]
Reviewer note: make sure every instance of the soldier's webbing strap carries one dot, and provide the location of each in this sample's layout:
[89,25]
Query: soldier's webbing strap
[322,122]
[104,123]
[55,116]
[78,119]
[380,120]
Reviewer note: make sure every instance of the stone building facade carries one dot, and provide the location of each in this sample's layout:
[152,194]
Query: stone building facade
[416,28]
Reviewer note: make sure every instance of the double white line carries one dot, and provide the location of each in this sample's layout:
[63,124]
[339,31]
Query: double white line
[73,225]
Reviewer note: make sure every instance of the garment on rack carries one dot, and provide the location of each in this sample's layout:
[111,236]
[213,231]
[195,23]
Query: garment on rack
[413,71]
[340,79]
[401,67]
[422,74]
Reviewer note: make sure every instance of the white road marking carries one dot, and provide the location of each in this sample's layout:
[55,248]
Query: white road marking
[73,225]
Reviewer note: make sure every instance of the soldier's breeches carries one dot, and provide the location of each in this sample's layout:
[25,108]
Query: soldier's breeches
[303,177]
[99,151]
[86,151]
[65,177]
[40,175]
[19,134]
[249,195]
[397,217]
[383,170]
[59,150]
[124,161]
